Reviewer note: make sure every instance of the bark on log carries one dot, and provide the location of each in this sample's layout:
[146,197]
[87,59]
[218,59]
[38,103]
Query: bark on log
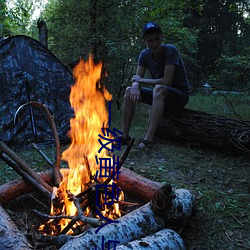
[212,131]
[10,237]
[137,224]
[148,219]
[18,187]
[136,185]
[22,164]
[26,176]
[162,240]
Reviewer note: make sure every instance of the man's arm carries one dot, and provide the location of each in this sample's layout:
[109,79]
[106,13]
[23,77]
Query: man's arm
[135,93]
[166,80]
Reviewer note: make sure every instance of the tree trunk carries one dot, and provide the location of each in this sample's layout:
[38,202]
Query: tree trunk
[212,131]
[10,237]
[43,32]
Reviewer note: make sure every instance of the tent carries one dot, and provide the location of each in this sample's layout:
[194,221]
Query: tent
[30,72]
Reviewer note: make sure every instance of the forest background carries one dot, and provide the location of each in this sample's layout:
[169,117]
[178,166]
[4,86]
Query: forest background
[212,36]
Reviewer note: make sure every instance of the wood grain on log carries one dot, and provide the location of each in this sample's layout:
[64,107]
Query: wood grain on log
[212,131]
[10,237]
[140,187]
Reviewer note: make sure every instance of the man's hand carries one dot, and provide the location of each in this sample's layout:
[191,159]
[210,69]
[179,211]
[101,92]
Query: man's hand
[136,78]
[135,93]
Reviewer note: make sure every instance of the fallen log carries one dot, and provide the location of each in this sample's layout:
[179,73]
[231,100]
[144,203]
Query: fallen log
[161,240]
[26,176]
[176,207]
[131,182]
[212,131]
[148,219]
[18,187]
[10,237]
[136,185]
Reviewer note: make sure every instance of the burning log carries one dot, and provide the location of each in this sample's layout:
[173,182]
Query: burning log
[165,210]
[10,237]
[161,240]
[216,132]
[131,182]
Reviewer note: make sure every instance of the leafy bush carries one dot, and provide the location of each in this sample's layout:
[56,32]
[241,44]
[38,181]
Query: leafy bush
[232,72]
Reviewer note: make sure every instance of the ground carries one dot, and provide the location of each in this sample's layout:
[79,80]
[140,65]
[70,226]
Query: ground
[219,180]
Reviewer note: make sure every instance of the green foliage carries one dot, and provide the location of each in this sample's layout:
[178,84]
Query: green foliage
[4,19]
[111,31]
[212,36]
[223,30]
[20,16]
[233,72]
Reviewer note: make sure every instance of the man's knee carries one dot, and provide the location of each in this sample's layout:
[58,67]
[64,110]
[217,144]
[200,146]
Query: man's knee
[159,91]
[127,92]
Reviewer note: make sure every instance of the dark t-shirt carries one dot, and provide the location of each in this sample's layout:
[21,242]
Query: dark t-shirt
[171,56]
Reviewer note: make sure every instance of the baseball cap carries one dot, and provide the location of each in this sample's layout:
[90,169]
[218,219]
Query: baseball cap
[150,26]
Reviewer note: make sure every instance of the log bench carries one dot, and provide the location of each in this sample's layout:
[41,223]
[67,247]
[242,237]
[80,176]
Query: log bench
[211,131]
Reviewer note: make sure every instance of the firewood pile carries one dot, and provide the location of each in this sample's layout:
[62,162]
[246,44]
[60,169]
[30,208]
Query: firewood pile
[154,222]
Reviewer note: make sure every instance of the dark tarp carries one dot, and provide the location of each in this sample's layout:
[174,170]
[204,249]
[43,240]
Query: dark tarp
[29,71]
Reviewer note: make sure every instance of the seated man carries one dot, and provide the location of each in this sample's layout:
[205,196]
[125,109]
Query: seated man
[168,89]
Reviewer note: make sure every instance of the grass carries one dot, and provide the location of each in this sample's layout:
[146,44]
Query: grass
[234,106]
[219,180]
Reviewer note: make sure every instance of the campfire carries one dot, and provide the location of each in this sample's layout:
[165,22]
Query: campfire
[87,197]
[80,182]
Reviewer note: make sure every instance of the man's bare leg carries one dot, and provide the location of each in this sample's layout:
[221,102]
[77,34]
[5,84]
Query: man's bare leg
[128,110]
[156,113]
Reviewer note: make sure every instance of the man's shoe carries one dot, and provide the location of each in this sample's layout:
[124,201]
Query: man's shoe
[146,144]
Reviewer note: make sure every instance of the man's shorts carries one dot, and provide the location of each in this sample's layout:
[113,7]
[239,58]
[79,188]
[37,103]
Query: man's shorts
[175,99]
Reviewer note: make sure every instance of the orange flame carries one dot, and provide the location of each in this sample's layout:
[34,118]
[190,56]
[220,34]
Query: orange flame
[88,99]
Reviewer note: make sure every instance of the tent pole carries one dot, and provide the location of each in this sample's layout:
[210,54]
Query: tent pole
[33,125]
